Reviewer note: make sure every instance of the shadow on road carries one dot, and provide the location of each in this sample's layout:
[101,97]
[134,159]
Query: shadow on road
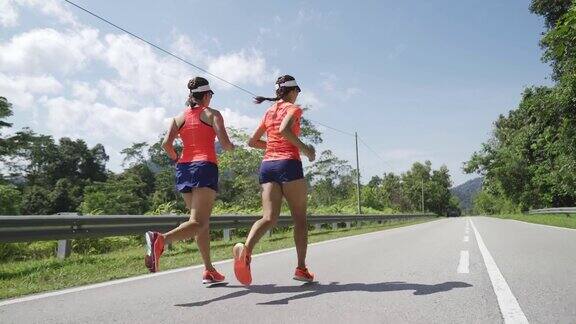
[316,289]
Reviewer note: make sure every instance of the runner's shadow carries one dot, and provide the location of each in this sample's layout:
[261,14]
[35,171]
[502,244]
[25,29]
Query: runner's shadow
[316,289]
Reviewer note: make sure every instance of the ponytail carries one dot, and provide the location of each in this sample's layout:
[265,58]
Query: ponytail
[259,100]
[281,91]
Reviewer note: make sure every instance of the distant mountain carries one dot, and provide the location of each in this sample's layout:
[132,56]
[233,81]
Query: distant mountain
[466,191]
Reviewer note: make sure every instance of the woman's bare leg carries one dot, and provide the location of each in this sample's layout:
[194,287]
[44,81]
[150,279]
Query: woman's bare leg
[271,204]
[201,203]
[295,193]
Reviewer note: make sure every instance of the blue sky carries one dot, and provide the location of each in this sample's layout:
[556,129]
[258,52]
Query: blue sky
[416,80]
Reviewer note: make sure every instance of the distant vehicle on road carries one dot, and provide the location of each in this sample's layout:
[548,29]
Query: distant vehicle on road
[454,212]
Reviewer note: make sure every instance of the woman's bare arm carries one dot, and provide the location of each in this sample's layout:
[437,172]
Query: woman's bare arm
[286,131]
[171,134]
[255,140]
[220,129]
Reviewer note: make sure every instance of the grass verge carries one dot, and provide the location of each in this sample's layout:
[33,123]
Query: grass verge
[560,220]
[18,278]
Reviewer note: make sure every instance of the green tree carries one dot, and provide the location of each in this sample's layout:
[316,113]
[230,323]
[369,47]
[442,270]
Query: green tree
[35,201]
[10,200]
[331,179]
[134,155]
[309,131]
[165,191]
[530,160]
[120,195]
[436,185]
[551,10]
[238,183]
[65,196]
[412,182]
[393,192]
[9,145]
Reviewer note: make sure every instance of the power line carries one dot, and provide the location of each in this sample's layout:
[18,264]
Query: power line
[202,69]
[161,49]
[184,60]
[332,128]
[374,152]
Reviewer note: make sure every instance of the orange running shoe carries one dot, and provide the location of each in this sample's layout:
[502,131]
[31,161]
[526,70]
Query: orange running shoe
[302,274]
[211,277]
[242,260]
[154,249]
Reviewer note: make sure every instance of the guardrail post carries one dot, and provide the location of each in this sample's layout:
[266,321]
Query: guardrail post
[64,246]
[64,249]
[226,235]
[348,224]
[317,227]
[334,226]
[269,233]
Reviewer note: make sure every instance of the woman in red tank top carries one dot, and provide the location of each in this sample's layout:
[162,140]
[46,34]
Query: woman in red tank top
[281,176]
[196,174]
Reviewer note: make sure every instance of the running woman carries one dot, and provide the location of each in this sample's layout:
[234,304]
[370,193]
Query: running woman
[196,175]
[281,176]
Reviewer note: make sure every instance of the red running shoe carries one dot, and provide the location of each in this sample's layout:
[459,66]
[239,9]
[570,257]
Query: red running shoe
[154,249]
[302,274]
[242,264]
[211,277]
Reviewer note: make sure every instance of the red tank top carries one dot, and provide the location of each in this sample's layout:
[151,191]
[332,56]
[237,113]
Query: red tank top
[197,138]
[278,147]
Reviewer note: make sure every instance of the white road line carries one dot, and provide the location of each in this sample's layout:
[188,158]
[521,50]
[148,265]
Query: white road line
[466,238]
[146,276]
[464,261]
[509,307]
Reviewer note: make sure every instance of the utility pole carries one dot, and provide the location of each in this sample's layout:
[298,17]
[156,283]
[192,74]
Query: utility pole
[358,175]
[422,195]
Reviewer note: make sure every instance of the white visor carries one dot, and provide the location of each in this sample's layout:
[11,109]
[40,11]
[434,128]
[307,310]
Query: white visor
[291,83]
[201,89]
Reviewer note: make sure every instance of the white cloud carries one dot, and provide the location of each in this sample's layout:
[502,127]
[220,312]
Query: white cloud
[143,73]
[330,84]
[134,87]
[84,92]
[244,67]
[235,119]
[309,98]
[307,16]
[118,93]
[41,51]
[52,8]
[21,89]
[184,46]
[8,14]
[351,92]
[77,118]
[143,77]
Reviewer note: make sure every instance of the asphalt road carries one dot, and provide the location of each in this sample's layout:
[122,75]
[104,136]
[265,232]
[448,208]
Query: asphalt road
[457,270]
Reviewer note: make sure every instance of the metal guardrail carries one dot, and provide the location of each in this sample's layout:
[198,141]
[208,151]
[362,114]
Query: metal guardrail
[559,210]
[65,227]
